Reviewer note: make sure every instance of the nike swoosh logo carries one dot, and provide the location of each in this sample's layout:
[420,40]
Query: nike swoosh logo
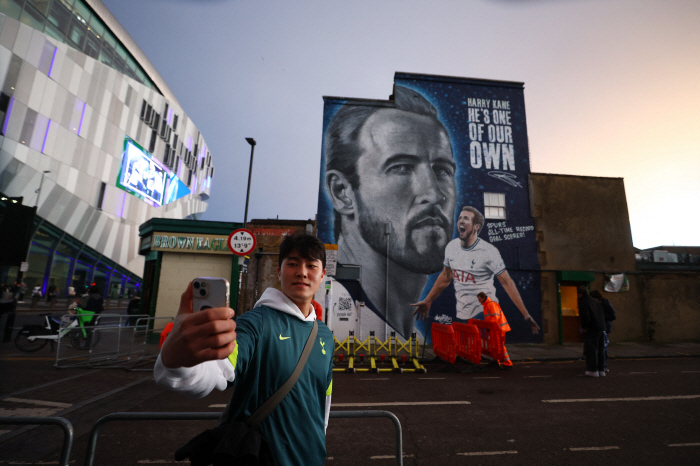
[283,338]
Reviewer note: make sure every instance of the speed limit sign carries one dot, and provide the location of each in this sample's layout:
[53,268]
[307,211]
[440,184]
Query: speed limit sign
[241,242]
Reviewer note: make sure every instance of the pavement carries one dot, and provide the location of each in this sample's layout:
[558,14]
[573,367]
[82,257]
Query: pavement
[519,352]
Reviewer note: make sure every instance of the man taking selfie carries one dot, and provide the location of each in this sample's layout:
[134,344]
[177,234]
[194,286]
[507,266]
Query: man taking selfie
[259,351]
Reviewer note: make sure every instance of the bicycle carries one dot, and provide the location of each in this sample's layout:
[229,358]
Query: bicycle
[34,337]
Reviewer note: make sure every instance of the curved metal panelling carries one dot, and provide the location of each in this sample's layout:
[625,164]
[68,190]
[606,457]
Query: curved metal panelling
[124,37]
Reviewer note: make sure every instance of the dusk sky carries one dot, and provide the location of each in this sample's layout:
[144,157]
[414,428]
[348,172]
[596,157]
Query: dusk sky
[612,87]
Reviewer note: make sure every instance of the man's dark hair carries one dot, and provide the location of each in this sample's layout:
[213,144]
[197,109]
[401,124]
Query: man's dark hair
[482,295]
[306,245]
[583,290]
[595,294]
[342,137]
[478,217]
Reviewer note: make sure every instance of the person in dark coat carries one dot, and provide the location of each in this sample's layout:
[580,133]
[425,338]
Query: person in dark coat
[95,303]
[609,313]
[593,328]
[133,309]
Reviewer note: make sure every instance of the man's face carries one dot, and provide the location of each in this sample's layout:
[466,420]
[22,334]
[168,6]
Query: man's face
[407,178]
[300,278]
[481,299]
[465,225]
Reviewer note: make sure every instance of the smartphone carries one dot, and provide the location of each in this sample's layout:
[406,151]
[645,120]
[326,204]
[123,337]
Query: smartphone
[208,292]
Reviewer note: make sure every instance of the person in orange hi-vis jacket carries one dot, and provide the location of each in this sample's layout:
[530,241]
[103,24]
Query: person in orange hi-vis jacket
[493,313]
[317,309]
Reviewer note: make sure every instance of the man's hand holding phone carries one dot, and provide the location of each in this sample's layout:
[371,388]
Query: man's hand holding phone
[206,335]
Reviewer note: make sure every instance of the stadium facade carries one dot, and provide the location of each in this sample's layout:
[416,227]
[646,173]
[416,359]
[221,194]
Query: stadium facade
[93,137]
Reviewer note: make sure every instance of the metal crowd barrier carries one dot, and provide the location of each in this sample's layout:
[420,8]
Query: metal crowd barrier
[63,423]
[203,416]
[113,343]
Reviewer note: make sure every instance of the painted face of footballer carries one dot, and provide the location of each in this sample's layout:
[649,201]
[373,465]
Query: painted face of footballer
[465,226]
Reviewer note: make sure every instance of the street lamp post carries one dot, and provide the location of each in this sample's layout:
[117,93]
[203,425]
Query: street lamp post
[38,191]
[251,141]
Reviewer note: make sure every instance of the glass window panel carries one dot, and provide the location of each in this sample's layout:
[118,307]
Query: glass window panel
[121,51]
[45,238]
[81,10]
[42,6]
[106,56]
[110,39]
[32,18]
[101,278]
[38,259]
[77,32]
[116,285]
[82,274]
[87,258]
[502,200]
[52,31]
[67,248]
[119,64]
[97,27]
[60,270]
[60,16]
[11,8]
[92,46]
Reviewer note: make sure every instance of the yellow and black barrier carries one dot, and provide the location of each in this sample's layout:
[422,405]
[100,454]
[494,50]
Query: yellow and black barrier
[396,355]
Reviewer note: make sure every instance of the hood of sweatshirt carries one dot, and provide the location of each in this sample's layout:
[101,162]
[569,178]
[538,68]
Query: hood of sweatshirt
[275,299]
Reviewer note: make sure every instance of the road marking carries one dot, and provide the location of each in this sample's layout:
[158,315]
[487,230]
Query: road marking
[684,445]
[217,406]
[52,404]
[162,462]
[488,453]
[401,403]
[79,405]
[593,448]
[641,398]
[28,412]
[388,457]
[537,376]
[375,378]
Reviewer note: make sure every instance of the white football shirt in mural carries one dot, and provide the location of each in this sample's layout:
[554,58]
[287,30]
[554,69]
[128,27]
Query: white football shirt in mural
[473,270]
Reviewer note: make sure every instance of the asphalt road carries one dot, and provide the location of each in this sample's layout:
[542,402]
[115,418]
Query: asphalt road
[537,413]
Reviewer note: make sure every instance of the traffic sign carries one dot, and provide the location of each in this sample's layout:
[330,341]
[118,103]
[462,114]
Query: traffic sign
[241,242]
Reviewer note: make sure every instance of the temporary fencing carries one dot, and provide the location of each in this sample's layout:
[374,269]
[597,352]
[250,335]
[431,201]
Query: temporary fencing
[204,416]
[492,339]
[63,423]
[467,341]
[392,355]
[444,342]
[111,340]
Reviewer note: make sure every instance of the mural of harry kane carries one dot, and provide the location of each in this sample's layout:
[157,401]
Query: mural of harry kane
[390,176]
[471,263]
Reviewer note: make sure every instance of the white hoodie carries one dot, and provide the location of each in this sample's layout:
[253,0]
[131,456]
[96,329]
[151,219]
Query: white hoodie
[198,381]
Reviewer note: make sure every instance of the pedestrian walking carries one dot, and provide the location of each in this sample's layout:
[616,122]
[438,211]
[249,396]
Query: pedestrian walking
[609,313]
[593,328]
